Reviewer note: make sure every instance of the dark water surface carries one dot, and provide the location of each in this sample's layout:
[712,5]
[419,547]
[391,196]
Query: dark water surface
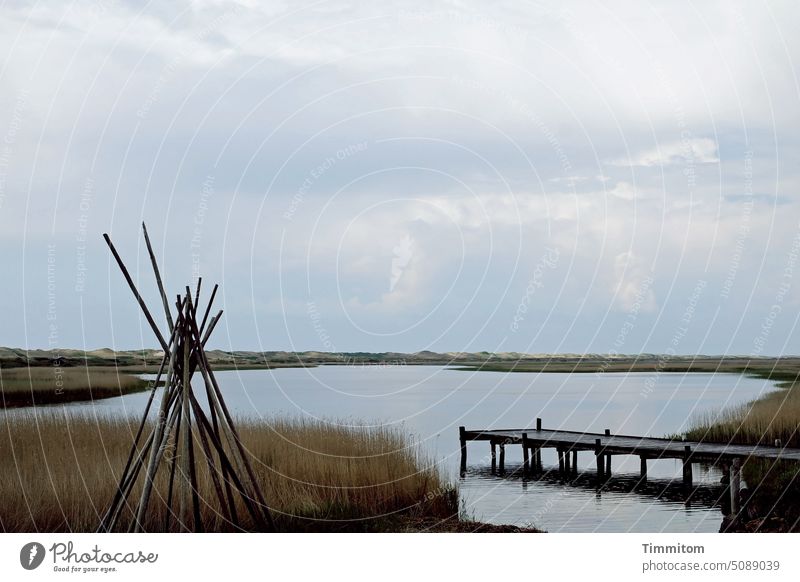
[431,402]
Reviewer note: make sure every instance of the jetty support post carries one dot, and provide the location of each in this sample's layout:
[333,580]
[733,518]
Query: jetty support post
[560,453]
[567,468]
[463,438]
[539,467]
[642,469]
[608,457]
[538,424]
[526,462]
[494,457]
[687,466]
[575,461]
[598,453]
[502,457]
[735,484]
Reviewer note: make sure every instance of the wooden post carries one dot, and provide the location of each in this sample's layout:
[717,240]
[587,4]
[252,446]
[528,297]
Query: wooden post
[736,484]
[526,463]
[642,468]
[502,456]
[462,437]
[560,454]
[494,457]
[608,432]
[598,453]
[608,465]
[538,459]
[575,462]
[567,468]
[687,466]
[184,486]
[538,424]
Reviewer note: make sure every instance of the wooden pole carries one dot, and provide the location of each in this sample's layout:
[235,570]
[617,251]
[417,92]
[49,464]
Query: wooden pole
[156,449]
[608,465]
[186,441]
[539,459]
[494,457]
[135,291]
[526,463]
[160,284]
[687,466]
[208,310]
[502,456]
[598,453]
[172,445]
[126,486]
[226,422]
[736,484]
[463,439]
[575,462]
[538,424]
[128,465]
[642,468]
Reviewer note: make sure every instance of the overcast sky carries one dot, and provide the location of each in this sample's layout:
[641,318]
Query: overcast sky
[400,176]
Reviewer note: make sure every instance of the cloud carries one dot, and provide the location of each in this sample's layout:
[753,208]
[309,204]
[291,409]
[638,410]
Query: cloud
[633,291]
[491,132]
[698,150]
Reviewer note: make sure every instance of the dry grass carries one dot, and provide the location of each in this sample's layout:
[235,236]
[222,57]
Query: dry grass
[59,474]
[55,385]
[776,416]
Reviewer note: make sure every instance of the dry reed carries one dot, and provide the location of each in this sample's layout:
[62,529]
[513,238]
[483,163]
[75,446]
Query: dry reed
[54,385]
[776,416]
[58,473]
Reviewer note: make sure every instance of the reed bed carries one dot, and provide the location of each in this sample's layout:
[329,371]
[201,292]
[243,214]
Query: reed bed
[59,473]
[776,416]
[54,385]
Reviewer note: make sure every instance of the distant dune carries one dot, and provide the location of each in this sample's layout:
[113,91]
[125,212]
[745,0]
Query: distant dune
[488,361]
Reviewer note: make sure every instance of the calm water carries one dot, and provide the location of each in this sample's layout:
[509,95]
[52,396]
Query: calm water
[431,402]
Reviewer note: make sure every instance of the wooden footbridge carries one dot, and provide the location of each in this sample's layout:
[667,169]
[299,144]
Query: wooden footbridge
[604,445]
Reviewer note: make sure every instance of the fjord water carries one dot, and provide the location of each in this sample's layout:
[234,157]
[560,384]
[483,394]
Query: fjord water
[430,402]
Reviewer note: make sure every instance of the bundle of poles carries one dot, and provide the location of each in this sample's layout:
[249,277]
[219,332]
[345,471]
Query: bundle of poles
[185,432]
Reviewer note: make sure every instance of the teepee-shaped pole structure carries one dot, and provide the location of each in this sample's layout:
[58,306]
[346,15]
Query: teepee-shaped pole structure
[190,432]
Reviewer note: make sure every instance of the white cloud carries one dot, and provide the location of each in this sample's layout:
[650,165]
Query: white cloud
[633,290]
[698,150]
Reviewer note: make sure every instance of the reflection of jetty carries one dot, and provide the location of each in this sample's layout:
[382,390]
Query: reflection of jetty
[567,444]
[703,495]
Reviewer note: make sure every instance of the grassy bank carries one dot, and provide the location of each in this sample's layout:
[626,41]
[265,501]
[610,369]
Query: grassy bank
[785,370]
[54,385]
[59,473]
[770,502]
[776,416]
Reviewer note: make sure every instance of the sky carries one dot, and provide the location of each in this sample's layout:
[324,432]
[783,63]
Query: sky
[565,177]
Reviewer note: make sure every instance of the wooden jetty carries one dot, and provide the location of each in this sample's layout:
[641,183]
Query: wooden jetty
[604,445]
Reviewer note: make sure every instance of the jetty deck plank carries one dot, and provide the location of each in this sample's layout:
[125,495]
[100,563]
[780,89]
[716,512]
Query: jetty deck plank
[650,447]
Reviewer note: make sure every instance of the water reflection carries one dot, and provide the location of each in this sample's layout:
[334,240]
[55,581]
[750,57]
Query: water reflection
[580,501]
